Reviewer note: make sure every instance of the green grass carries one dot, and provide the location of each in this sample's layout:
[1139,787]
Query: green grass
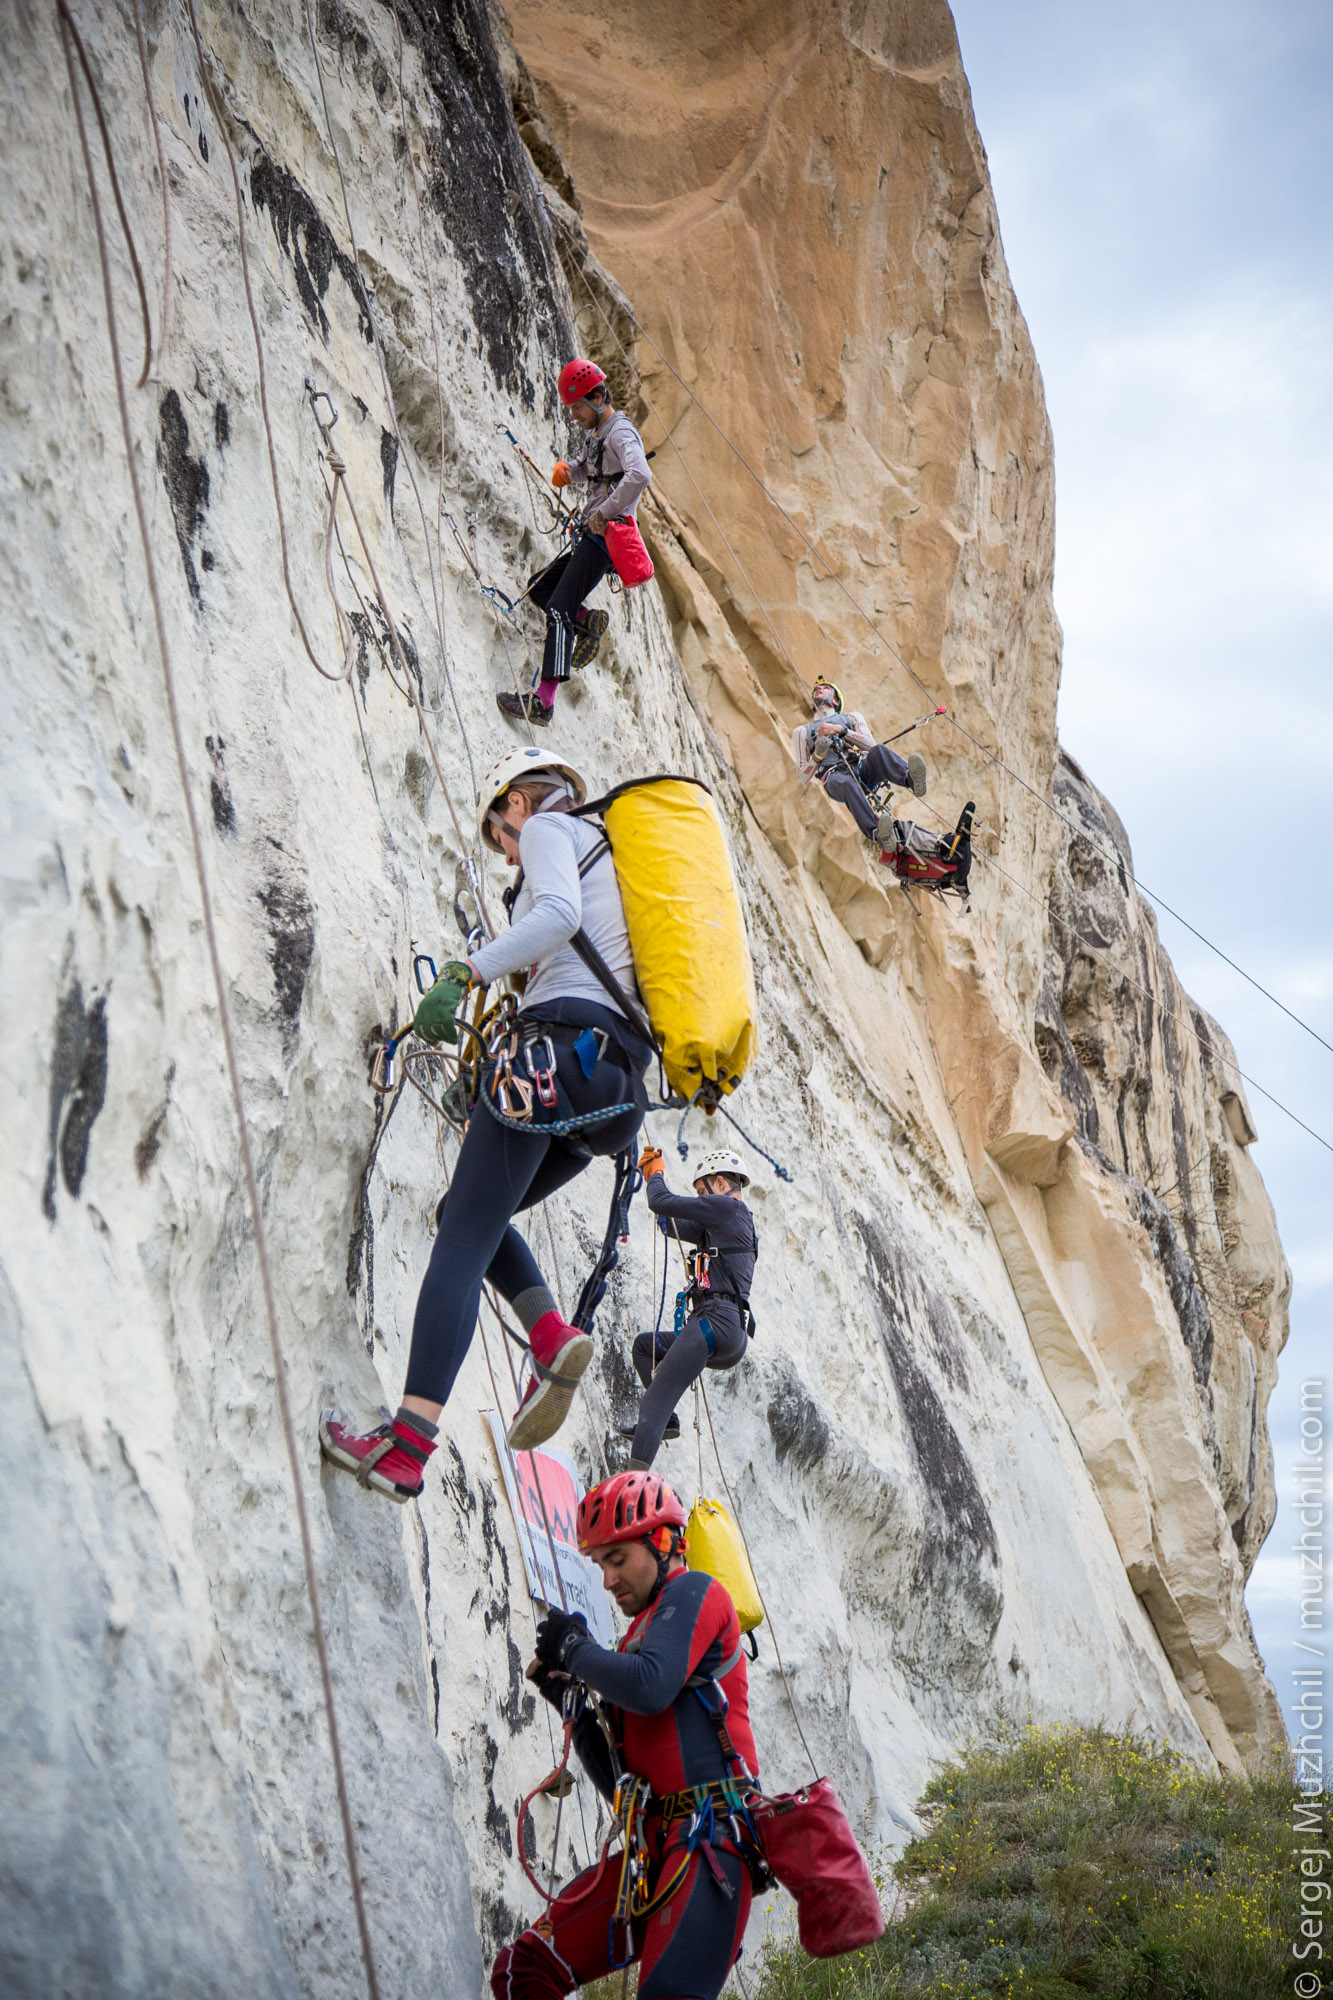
[1064,1863]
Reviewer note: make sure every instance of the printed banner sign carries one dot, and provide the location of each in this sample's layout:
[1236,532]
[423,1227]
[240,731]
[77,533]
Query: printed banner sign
[547,1476]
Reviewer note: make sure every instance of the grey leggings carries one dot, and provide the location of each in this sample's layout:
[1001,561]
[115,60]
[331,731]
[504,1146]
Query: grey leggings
[715,1339]
[878,767]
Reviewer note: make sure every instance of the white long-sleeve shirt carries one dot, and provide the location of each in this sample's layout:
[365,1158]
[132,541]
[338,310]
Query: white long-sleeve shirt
[554,902]
[809,763]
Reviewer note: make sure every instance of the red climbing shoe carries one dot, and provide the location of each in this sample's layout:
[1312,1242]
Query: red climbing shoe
[560,1354]
[392,1459]
[524,708]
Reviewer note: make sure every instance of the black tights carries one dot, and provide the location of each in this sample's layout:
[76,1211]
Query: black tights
[499,1173]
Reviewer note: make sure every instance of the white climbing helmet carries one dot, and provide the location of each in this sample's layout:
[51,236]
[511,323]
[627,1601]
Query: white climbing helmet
[721,1162]
[508,770]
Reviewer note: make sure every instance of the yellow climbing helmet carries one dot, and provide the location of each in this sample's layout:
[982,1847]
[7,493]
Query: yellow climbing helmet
[835,691]
[509,770]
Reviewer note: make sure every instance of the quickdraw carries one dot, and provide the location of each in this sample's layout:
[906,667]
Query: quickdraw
[708,1099]
[559,517]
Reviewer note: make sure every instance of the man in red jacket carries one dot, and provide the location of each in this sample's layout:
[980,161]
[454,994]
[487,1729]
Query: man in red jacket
[674,1704]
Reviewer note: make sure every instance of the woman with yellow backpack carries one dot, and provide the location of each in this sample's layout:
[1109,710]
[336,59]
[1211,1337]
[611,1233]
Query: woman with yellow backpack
[579,1060]
[629,941]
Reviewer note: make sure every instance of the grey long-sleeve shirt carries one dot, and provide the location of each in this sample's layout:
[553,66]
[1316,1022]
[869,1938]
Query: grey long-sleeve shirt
[551,905]
[613,467]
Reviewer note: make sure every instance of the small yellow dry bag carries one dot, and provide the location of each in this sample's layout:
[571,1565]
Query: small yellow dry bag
[686,927]
[714,1545]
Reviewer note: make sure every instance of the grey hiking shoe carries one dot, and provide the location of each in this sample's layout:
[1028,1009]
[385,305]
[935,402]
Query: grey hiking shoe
[916,771]
[524,708]
[592,626]
[884,832]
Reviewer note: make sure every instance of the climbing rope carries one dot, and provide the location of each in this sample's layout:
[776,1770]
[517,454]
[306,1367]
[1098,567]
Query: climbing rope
[71,28]
[404,456]
[768,1618]
[1112,854]
[155,374]
[215,106]
[69,42]
[684,463]
[338,470]
[753,1144]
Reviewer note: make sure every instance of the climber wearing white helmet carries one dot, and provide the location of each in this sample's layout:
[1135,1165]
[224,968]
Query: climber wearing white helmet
[613,467]
[840,751]
[717,1328]
[581,1055]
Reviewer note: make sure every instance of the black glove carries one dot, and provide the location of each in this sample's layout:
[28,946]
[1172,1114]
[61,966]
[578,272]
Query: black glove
[558,1631]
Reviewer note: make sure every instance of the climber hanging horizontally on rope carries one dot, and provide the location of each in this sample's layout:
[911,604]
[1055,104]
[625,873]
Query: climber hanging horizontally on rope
[839,750]
[675,1705]
[713,1317]
[613,467]
[574,1057]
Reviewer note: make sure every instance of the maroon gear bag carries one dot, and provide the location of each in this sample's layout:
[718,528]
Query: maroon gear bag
[810,1847]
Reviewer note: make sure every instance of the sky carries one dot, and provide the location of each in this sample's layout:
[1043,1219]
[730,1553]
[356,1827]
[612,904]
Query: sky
[1163,175]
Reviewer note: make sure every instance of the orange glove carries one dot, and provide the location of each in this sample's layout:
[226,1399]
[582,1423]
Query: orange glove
[560,476]
[650,1162]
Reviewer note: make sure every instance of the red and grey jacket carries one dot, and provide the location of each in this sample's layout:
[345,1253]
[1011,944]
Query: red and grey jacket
[661,1686]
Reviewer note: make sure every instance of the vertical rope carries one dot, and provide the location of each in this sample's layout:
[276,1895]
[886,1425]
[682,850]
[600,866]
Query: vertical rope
[156,123]
[225,1024]
[777,1650]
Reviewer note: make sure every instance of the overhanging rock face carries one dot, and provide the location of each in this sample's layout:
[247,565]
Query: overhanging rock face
[999,1445]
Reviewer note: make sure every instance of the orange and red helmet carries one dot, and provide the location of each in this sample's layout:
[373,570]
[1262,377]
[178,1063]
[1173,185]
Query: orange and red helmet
[630,1507]
[578,379]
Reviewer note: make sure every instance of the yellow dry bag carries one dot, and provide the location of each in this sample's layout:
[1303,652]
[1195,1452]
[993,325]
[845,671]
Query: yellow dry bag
[714,1545]
[686,929]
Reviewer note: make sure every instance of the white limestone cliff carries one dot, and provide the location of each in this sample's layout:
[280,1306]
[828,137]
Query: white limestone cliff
[999,1446]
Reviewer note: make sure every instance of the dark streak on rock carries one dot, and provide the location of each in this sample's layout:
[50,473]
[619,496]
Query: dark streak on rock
[291,926]
[941,1461]
[150,1139]
[185,478]
[304,236]
[799,1432]
[388,465]
[78,1090]
[481,186]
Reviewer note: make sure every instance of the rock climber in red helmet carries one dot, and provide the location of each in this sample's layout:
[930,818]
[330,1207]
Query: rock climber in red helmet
[613,467]
[675,1702]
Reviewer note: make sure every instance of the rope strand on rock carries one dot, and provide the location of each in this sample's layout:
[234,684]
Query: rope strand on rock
[1110,854]
[230,1060]
[154,120]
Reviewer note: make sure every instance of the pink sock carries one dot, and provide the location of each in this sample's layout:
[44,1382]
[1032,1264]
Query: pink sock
[546,693]
[547,1337]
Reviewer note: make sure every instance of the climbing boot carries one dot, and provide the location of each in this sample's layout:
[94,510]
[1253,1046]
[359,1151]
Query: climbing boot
[916,771]
[884,832]
[669,1434]
[392,1458]
[560,1354]
[592,624]
[525,708]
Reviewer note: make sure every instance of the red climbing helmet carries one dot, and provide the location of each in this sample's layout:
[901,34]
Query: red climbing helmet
[577,378]
[628,1507]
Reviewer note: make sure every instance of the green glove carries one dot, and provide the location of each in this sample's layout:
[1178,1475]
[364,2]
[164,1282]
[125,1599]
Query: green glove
[434,1018]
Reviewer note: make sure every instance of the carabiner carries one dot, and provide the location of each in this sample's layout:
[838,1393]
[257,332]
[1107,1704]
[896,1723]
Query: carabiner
[420,958]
